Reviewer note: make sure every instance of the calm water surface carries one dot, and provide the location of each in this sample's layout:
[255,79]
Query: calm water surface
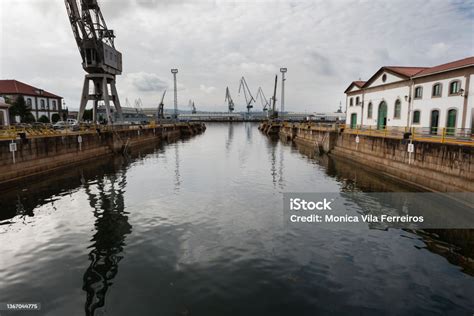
[195,228]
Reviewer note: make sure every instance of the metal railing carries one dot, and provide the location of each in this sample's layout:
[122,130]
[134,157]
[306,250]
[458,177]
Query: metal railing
[315,126]
[461,136]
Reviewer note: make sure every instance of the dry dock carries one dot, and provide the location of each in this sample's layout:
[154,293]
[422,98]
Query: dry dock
[435,164]
[25,153]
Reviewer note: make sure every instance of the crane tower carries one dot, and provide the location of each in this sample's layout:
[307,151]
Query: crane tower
[101,61]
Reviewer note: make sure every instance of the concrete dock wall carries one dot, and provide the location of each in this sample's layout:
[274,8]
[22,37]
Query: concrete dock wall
[435,166]
[322,140]
[432,166]
[42,154]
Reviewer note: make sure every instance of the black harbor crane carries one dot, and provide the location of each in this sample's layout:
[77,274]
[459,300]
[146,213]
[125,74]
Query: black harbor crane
[192,106]
[274,113]
[248,95]
[263,100]
[228,99]
[101,61]
[161,108]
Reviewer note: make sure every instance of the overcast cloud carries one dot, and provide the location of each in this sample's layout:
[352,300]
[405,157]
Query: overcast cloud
[324,44]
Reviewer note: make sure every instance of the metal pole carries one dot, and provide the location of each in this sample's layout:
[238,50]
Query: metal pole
[174,72]
[283,71]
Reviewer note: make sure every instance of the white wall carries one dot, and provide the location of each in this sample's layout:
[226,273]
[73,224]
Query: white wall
[389,96]
[390,79]
[470,104]
[354,108]
[443,103]
[5,117]
[425,105]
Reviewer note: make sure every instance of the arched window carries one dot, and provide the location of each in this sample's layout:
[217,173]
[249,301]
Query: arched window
[357,101]
[54,105]
[351,101]
[398,109]
[42,104]
[416,117]
[418,92]
[451,122]
[454,87]
[28,102]
[369,110]
[436,92]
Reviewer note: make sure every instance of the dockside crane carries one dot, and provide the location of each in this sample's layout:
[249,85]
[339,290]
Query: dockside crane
[228,99]
[192,106]
[101,61]
[248,95]
[161,108]
[263,100]
[274,113]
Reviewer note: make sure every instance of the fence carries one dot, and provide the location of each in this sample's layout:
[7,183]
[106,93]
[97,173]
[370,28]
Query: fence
[461,136]
[30,131]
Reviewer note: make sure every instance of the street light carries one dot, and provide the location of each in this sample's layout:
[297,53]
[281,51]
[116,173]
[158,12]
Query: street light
[283,71]
[174,71]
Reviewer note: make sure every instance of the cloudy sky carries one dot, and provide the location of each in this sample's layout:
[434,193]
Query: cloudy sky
[324,44]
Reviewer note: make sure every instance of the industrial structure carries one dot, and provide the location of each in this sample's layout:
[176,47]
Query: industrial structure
[263,100]
[247,94]
[100,59]
[192,106]
[174,72]
[283,79]
[228,99]
[161,108]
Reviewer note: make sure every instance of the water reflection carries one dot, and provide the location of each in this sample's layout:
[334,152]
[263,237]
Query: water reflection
[249,130]
[456,245]
[177,182]
[112,227]
[230,137]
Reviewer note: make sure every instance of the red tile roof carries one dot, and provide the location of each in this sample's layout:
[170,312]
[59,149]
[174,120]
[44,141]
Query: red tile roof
[359,83]
[405,71]
[415,72]
[18,87]
[469,61]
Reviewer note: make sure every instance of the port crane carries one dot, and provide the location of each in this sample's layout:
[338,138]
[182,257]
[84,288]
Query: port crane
[263,100]
[101,61]
[248,95]
[274,113]
[161,108]
[229,100]
[192,106]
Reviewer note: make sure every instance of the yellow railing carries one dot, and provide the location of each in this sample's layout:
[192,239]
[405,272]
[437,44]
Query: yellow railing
[14,132]
[438,135]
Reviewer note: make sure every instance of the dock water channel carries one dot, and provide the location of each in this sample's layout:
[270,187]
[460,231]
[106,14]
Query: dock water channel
[194,227]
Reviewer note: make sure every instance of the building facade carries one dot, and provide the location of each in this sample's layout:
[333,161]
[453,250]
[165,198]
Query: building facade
[41,102]
[431,99]
[4,114]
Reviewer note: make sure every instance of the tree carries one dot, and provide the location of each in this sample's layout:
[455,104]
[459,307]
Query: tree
[29,118]
[87,116]
[43,119]
[19,108]
[55,117]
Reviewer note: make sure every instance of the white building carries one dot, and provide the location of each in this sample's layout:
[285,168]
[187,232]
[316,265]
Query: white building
[428,98]
[4,114]
[41,102]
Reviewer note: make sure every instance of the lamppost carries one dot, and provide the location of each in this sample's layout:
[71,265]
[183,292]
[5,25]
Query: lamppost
[283,71]
[175,115]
